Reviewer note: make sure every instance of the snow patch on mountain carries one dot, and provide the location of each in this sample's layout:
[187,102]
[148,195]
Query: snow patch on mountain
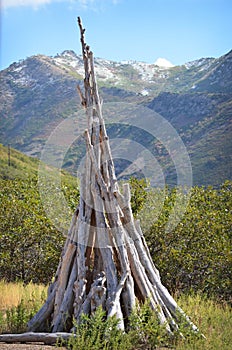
[145,70]
[204,62]
[20,76]
[109,70]
[163,63]
[103,68]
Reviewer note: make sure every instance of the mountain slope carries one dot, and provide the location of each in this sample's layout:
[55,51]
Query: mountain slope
[219,77]
[205,125]
[38,93]
[34,100]
[16,164]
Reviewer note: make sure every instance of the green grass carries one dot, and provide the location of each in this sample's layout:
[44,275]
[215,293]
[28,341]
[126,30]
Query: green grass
[21,166]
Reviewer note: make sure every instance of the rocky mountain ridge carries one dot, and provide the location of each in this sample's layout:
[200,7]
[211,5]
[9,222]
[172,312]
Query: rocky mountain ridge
[131,75]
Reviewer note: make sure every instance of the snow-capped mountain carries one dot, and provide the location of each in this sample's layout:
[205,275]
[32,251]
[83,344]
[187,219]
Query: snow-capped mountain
[111,70]
[138,77]
[39,92]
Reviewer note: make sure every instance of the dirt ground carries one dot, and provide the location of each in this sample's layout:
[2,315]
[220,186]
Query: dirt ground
[34,346]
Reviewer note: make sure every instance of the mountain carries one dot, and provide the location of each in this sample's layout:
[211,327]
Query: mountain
[39,93]
[217,78]
[204,123]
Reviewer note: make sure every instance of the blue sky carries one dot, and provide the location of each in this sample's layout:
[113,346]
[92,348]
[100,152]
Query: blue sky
[142,30]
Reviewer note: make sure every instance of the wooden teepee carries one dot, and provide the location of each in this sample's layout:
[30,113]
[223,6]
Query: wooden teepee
[105,260]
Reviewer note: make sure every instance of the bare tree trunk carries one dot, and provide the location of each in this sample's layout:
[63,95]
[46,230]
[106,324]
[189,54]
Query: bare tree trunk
[105,260]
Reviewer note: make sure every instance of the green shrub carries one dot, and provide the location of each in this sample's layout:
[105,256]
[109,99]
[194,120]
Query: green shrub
[30,243]
[96,333]
[214,320]
[196,254]
[138,194]
[145,329]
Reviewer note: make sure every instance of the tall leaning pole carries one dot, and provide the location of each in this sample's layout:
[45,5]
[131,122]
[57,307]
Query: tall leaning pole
[105,260]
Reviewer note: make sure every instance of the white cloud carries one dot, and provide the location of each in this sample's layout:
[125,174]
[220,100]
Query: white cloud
[36,3]
[19,3]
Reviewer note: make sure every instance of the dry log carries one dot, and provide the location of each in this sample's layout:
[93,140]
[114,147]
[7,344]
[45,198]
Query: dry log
[30,337]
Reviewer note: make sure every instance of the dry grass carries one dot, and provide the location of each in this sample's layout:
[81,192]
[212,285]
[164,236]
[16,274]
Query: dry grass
[11,294]
[214,320]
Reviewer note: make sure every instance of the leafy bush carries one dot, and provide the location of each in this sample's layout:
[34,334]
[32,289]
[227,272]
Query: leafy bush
[96,332]
[145,329]
[138,194]
[196,254]
[30,244]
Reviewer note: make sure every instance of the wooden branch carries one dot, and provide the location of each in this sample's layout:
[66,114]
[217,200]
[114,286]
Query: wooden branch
[30,337]
[65,310]
[63,278]
[85,54]
[82,98]
[94,82]
[99,177]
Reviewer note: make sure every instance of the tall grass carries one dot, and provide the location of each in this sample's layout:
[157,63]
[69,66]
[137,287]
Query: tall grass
[214,320]
[18,303]
[11,294]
